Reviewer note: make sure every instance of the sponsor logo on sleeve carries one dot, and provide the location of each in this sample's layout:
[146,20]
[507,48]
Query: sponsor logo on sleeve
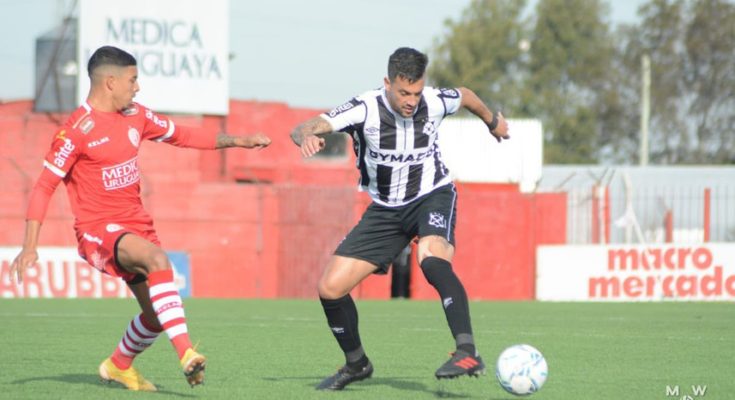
[86,125]
[163,123]
[449,93]
[343,108]
[64,151]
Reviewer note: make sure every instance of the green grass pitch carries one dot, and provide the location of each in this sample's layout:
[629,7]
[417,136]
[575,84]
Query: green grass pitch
[279,349]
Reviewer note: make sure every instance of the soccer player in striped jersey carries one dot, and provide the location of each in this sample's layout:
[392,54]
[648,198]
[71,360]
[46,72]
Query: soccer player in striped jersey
[95,154]
[394,130]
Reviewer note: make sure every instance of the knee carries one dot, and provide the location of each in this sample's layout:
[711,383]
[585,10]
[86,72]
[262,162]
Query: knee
[157,261]
[330,289]
[434,246]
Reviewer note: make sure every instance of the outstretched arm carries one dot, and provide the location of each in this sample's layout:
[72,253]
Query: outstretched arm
[305,135]
[496,123]
[28,254]
[197,138]
[37,206]
[257,140]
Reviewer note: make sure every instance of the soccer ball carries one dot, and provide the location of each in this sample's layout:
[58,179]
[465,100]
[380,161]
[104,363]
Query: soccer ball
[521,369]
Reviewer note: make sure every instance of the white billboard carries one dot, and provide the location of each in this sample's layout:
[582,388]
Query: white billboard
[60,273]
[636,273]
[182,48]
[473,155]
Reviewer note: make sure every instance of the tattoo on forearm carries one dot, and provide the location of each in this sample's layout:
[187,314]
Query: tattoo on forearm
[224,141]
[314,126]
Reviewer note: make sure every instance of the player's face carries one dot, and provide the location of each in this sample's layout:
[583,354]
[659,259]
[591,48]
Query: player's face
[404,96]
[125,86]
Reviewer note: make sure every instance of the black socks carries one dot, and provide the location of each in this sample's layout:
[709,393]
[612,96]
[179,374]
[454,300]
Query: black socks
[439,273]
[342,314]
[342,319]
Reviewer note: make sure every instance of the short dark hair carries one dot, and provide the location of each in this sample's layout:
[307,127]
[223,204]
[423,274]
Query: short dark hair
[407,63]
[109,55]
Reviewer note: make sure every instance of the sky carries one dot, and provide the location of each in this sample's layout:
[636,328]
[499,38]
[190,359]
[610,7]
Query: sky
[313,53]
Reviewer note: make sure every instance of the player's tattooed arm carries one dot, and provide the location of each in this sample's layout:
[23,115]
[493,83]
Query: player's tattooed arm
[257,140]
[310,127]
[307,135]
[224,140]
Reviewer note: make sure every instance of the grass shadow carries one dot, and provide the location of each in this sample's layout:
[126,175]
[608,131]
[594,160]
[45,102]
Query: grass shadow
[408,383]
[92,380]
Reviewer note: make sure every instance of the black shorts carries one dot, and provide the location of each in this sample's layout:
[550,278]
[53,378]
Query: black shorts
[384,231]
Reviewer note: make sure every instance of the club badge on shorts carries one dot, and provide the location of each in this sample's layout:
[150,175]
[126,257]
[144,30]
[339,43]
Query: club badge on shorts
[437,220]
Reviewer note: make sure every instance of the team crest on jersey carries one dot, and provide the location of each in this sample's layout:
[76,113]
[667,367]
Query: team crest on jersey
[429,128]
[130,111]
[448,93]
[437,220]
[134,136]
[344,107]
[86,125]
[61,135]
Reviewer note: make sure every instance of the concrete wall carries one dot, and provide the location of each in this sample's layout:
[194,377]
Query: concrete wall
[264,223]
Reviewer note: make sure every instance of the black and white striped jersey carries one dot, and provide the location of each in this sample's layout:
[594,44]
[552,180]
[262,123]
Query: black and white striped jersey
[398,158]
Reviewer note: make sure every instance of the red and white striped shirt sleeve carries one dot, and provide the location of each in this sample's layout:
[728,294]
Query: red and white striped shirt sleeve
[162,129]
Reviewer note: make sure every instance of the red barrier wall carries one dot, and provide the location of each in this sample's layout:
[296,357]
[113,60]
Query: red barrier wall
[264,223]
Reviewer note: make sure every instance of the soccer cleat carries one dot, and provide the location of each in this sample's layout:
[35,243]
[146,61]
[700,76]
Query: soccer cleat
[461,363]
[345,376]
[130,378]
[193,365]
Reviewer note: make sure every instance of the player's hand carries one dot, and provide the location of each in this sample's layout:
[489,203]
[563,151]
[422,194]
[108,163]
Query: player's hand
[25,258]
[311,145]
[257,141]
[501,130]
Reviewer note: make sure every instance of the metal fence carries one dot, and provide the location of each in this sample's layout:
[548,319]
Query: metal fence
[651,214]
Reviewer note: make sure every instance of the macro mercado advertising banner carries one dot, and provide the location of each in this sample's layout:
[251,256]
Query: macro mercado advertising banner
[657,272]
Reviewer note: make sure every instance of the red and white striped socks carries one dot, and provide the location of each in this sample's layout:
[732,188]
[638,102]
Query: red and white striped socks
[138,337]
[169,309]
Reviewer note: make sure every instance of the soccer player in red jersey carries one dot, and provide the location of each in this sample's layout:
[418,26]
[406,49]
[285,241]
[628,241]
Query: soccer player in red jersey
[95,154]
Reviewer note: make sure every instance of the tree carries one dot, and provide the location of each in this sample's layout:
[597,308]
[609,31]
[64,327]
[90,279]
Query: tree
[571,52]
[551,70]
[582,79]
[691,45]
[710,76]
[481,51]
